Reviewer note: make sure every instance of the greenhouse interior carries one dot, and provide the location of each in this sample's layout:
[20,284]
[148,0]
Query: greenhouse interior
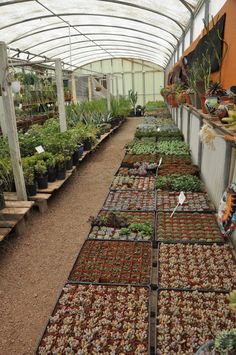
[118,177]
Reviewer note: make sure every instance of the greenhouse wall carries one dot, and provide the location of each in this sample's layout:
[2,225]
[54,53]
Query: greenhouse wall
[141,76]
[217,164]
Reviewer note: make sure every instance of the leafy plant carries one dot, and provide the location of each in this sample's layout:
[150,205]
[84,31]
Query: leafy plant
[145,229]
[40,167]
[177,182]
[225,342]
[133,97]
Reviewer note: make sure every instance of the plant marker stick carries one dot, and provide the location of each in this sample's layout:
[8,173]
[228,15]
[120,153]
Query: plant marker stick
[181,199]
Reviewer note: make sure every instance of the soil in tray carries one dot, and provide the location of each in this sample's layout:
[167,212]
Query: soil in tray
[132,183]
[117,234]
[135,172]
[186,320]
[195,201]
[182,169]
[188,227]
[130,200]
[173,159]
[194,266]
[110,219]
[113,262]
[91,319]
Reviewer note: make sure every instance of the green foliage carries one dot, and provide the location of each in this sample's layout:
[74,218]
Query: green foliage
[177,182]
[153,105]
[133,97]
[40,167]
[120,107]
[144,229]
[165,147]
[225,342]
[6,174]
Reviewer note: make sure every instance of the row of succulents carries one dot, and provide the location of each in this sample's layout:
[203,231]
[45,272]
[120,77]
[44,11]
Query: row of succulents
[194,274]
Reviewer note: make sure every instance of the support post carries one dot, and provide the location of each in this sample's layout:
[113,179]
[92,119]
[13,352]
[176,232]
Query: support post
[10,124]
[188,127]
[117,88]
[60,95]
[200,145]
[2,121]
[227,163]
[73,88]
[108,92]
[90,88]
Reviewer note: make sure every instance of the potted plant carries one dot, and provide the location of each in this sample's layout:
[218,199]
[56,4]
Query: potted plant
[28,164]
[41,174]
[133,97]
[61,166]
[50,162]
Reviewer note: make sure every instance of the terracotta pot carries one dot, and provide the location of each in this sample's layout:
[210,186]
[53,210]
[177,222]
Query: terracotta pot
[203,107]
[188,99]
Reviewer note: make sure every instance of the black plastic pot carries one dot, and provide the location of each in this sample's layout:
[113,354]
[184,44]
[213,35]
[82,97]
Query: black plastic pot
[75,158]
[31,189]
[87,144]
[42,181]
[81,150]
[61,172]
[52,174]
[69,164]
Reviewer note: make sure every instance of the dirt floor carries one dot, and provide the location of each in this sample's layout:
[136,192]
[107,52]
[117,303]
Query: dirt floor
[34,266]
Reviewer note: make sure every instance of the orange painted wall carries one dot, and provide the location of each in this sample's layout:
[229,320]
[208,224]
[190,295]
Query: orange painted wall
[228,74]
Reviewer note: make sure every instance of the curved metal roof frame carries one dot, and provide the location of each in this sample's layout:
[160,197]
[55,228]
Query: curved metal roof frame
[122,38]
[46,10]
[135,56]
[89,25]
[125,51]
[125,48]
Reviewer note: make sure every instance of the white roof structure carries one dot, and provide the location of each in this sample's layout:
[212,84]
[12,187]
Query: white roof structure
[82,31]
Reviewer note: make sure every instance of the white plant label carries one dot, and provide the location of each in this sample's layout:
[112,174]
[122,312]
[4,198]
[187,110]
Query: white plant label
[181,199]
[158,129]
[160,161]
[39,149]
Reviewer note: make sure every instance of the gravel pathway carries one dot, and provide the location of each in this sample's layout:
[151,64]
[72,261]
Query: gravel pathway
[34,266]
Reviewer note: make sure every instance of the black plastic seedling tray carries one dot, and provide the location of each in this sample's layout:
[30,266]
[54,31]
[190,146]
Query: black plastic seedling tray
[115,251]
[190,288]
[108,285]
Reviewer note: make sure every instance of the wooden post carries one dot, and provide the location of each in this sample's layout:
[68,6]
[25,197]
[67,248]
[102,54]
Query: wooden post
[108,92]
[2,121]
[73,88]
[60,95]
[10,123]
[90,88]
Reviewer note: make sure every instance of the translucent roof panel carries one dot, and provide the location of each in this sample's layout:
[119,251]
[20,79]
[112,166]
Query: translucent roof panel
[76,31]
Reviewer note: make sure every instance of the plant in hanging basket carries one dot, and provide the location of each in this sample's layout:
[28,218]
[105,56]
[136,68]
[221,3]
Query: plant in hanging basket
[92,319]
[193,266]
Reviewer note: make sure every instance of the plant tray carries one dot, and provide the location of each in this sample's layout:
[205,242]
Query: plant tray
[110,233]
[195,202]
[194,266]
[173,159]
[186,320]
[188,227]
[130,201]
[126,172]
[130,159]
[132,183]
[182,169]
[113,262]
[131,217]
[94,319]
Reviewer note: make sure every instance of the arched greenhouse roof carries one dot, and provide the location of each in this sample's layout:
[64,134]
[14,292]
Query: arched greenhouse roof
[80,32]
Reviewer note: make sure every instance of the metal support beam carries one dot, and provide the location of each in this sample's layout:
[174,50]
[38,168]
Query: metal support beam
[191,28]
[73,88]
[227,163]
[108,92]
[60,95]
[10,124]
[207,10]
[2,119]
[200,145]
[89,88]
[144,86]
[188,127]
